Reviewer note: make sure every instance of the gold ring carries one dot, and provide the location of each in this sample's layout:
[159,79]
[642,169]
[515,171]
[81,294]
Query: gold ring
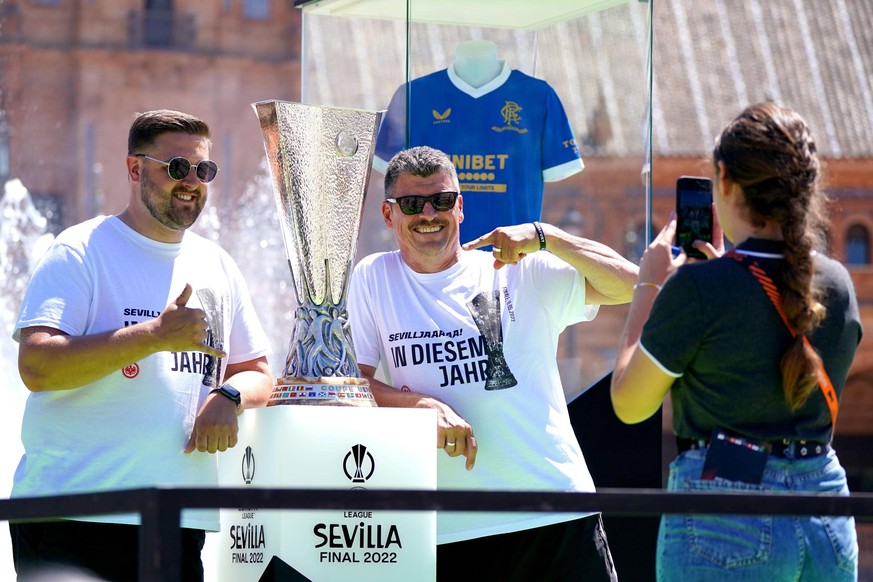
[448,444]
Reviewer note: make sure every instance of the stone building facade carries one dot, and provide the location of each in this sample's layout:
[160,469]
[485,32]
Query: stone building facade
[74,72]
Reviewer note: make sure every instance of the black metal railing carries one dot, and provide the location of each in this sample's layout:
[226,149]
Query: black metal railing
[161,508]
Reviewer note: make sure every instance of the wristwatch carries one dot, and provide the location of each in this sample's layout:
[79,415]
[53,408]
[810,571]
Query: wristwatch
[230,392]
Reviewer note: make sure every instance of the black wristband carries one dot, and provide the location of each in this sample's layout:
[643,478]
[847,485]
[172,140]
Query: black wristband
[540,234]
[230,392]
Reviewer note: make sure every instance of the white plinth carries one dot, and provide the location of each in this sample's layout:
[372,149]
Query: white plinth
[330,447]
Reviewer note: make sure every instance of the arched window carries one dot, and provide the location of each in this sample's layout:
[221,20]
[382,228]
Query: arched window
[857,249]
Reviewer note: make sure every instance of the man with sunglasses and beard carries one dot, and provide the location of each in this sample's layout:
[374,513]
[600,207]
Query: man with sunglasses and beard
[140,345]
[474,335]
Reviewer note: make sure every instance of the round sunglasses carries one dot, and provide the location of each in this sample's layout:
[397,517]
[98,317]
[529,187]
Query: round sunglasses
[413,204]
[178,168]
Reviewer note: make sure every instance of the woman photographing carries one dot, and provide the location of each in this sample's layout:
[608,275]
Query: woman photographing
[754,347]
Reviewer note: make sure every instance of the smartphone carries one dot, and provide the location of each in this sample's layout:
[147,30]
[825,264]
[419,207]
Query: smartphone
[693,213]
[734,457]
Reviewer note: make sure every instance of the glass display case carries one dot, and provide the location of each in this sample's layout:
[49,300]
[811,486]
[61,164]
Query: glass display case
[544,106]
[592,58]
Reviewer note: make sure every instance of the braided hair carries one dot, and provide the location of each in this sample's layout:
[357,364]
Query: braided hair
[769,152]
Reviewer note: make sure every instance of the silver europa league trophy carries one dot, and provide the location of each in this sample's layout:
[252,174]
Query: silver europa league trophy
[319,160]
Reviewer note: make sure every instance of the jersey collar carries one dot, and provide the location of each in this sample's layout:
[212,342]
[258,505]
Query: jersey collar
[477,92]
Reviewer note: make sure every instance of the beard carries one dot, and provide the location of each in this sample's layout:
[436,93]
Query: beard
[161,205]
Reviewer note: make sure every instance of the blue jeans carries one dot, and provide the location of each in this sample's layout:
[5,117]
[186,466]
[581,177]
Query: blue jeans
[759,547]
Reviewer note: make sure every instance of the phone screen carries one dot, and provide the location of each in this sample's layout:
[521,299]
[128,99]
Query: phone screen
[693,213]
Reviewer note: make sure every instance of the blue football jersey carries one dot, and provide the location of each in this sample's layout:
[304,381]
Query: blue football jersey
[506,139]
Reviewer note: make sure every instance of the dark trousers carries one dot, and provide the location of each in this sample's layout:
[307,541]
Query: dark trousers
[106,550]
[574,550]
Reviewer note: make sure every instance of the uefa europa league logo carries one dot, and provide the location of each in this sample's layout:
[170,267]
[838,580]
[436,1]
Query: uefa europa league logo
[362,460]
[319,159]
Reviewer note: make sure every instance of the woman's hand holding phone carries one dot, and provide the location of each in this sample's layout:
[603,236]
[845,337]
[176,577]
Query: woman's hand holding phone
[659,261]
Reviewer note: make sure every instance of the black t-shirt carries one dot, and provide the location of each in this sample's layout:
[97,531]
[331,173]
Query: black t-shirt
[715,329]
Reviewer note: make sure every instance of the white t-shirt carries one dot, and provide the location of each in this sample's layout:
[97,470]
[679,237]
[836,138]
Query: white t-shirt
[128,429]
[497,369]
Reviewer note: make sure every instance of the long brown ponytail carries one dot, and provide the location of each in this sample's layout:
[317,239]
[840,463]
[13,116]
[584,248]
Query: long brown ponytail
[769,152]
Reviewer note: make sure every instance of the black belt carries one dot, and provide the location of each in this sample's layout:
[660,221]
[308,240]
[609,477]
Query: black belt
[786,449]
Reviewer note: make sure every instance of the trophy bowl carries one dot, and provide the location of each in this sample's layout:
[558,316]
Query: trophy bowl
[319,160]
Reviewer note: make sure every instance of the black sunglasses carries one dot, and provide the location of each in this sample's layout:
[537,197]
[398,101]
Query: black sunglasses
[178,168]
[441,202]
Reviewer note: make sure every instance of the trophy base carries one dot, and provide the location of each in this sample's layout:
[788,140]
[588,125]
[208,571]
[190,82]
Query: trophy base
[325,391]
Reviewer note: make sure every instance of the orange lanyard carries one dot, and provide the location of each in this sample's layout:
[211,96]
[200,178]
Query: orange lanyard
[824,381]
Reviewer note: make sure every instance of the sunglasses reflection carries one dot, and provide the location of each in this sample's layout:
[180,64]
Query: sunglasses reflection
[414,204]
